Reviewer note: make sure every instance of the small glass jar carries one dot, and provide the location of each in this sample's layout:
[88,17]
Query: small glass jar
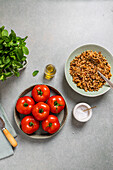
[50,71]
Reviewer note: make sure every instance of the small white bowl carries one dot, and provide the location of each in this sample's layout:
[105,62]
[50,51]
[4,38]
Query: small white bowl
[79,114]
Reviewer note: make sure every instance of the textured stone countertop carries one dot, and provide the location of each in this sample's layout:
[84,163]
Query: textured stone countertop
[55,29]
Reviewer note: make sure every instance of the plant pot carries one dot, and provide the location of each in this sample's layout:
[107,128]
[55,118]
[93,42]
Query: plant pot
[24,66]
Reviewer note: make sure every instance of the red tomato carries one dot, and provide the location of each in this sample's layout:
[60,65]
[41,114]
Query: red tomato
[40,93]
[29,124]
[56,103]
[41,111]
[51,124]
[24,105]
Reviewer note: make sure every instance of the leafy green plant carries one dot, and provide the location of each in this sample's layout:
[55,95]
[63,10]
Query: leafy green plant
[12,53]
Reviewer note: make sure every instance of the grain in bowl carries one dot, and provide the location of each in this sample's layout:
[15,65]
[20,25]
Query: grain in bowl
[83,69]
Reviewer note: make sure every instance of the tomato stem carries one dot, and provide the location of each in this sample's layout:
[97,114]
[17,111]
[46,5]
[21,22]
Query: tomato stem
[25,104]
[57,104]
[50,124]
[40,92]
[31,124]
[41,110]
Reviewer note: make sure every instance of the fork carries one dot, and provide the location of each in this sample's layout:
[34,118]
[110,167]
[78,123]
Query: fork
[108,81]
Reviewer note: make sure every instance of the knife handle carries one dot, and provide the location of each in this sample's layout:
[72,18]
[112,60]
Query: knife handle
[10,138]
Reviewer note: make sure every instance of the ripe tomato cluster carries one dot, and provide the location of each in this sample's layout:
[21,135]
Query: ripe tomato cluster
[40,105]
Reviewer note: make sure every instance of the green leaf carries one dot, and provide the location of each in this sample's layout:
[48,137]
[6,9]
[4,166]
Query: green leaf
[0,61]
[8,74]
[12,36]
[23,58]
[1,40]
[24,38]
[3,59]
[25,50]
[23,44]
[16,73]
[17,64]
[19,39]
[2,65]
[35,73]
[6,39]
[2,28]
[19,54]
[5,33]
[7,66]
[15,44]
[13,56]
[1,46]
[7,60]
[2,77]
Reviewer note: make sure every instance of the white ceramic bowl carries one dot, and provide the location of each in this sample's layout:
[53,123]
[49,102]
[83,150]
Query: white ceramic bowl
[79,114]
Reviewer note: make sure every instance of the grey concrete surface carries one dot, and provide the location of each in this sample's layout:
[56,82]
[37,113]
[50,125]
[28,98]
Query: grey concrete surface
[55,29]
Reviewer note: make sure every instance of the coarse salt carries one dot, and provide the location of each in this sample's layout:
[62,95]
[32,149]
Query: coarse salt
[80,113]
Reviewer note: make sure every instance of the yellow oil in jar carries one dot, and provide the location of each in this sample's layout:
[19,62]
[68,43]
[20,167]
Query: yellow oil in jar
[49,71]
